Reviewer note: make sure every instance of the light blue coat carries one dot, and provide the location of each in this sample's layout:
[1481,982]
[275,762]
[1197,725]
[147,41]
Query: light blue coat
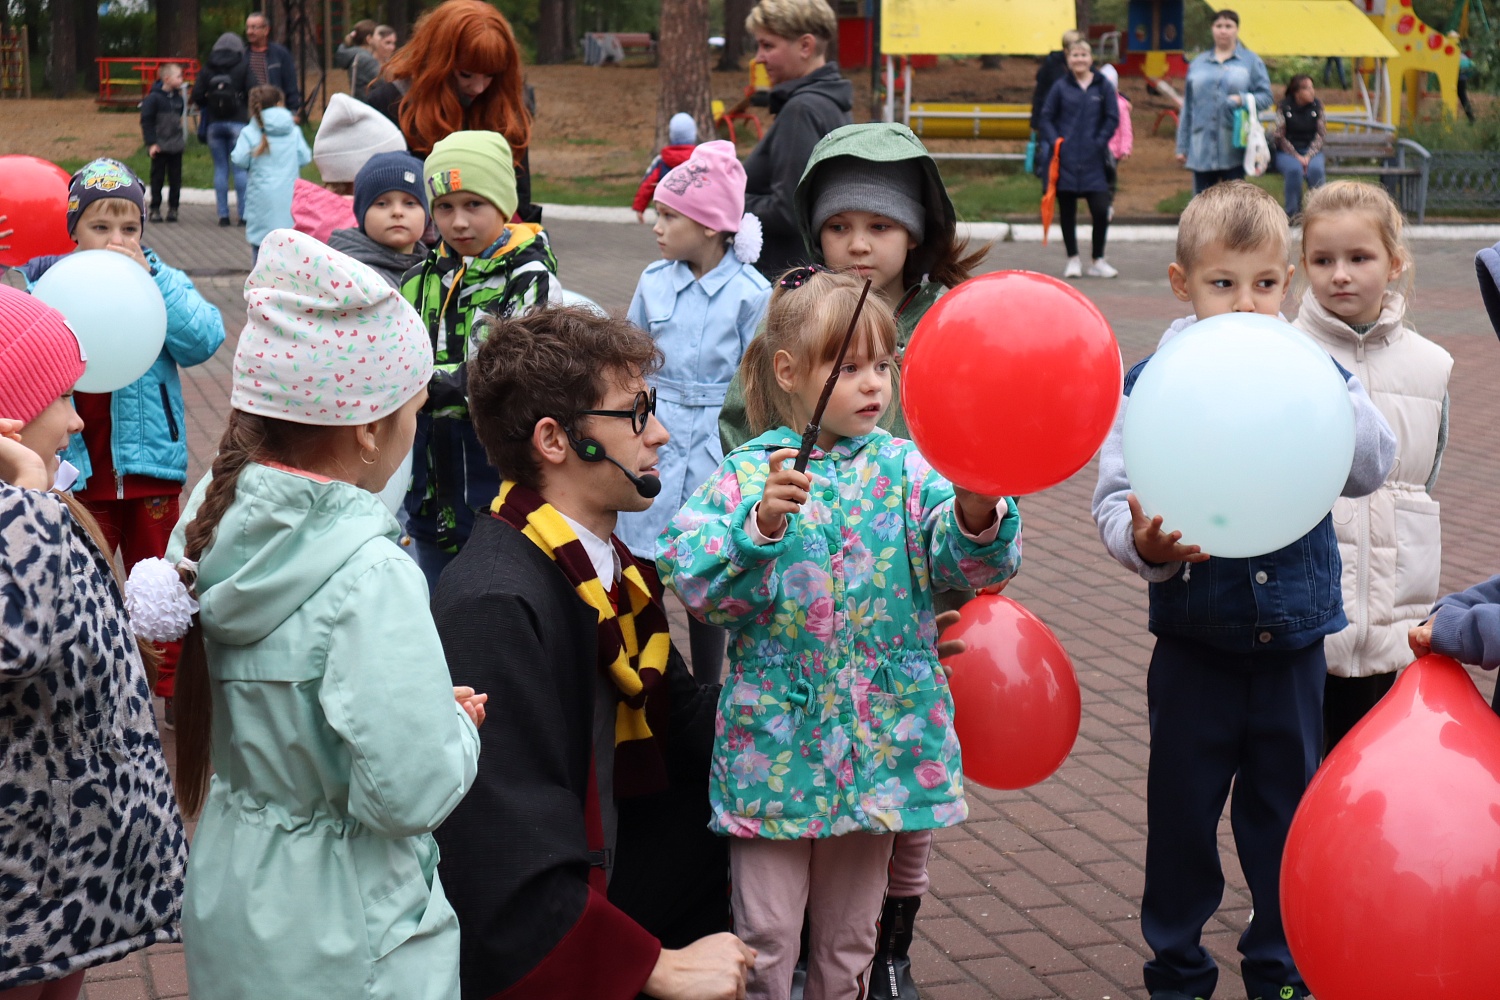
[148,422]
[273,176]
[1205,129]
[702,327]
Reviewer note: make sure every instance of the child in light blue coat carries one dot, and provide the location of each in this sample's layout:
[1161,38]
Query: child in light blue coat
[702,305]
[274,150]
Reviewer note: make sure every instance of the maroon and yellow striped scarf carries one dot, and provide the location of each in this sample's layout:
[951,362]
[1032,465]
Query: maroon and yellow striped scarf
[634,641]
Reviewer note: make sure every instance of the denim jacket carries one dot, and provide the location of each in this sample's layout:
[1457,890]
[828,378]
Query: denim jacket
[1287,599]
[1205,131]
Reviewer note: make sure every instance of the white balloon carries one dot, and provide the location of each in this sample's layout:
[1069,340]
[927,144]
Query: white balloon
[115,310]
[1240,434]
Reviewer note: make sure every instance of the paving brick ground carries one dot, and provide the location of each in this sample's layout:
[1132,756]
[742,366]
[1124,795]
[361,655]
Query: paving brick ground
[1037,895]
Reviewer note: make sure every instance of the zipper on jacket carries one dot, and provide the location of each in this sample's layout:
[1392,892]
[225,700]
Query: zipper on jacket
[166,406]
[119,484]
[1361,545]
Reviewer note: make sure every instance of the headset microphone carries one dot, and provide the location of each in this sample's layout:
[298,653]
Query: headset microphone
[591,450]
[647,486]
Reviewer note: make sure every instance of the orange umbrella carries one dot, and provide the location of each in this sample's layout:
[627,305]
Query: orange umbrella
[1049,199]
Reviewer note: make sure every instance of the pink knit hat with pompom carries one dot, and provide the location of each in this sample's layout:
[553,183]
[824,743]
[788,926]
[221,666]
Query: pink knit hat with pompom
[709,188]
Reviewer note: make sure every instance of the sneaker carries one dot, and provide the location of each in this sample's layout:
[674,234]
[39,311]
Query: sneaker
[155,215]
[1074,268]
[168,719]
[223,220]
[241,222]
[1101,269]
[171,215]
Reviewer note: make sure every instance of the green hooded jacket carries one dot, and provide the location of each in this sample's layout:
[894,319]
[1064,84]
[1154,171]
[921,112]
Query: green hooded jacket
[885,142]
[337,749]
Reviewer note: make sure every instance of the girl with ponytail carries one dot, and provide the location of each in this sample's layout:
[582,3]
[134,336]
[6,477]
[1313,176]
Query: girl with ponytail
[274,150]
[318,732]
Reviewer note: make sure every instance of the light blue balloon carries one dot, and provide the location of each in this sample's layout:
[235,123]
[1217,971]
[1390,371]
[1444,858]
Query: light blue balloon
[115,310]
[1240,434]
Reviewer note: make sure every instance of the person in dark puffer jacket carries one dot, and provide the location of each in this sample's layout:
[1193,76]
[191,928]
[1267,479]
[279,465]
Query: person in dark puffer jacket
[161,128]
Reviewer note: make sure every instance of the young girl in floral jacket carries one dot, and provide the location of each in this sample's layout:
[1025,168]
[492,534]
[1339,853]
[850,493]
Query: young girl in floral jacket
[835,725]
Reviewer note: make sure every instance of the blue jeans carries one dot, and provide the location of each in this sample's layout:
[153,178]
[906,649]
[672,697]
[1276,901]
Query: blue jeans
[1292,174]
[221,139]
[1205,179]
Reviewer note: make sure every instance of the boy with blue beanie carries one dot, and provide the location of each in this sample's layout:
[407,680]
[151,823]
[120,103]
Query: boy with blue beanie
[390,214]
[485,266]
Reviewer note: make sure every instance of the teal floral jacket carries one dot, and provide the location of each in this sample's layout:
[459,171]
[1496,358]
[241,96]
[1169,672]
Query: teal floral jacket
[835,717]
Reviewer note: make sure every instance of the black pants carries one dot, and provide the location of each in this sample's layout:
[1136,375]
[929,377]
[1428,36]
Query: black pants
[1067,207]
[706,643]
[166,167]
[1346,700]
[1205,179]
[1251,719]
[1463,99]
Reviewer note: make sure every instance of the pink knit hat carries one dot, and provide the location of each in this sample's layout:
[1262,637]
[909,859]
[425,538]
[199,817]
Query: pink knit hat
[326,339]
[40,359]
[709,188]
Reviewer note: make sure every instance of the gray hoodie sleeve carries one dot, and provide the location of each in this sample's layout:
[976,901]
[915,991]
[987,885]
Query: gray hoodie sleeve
[1374,444]
[1112,509]
[1466,625]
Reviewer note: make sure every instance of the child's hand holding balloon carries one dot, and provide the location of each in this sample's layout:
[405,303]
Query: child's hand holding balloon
[785,493]
[1419,638]
[1157,546]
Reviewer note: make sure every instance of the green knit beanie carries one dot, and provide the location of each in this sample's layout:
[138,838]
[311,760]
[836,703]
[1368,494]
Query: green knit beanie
[477,162]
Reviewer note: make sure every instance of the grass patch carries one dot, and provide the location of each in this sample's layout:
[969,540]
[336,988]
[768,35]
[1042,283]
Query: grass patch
[197,163]
[587,141]
[981,192]
[1177,202]
[584,190]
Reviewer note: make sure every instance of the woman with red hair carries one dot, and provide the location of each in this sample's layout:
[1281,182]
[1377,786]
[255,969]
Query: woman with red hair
[460,71]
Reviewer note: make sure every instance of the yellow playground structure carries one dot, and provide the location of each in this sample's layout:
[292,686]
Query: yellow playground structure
[966,27]
[1420,49]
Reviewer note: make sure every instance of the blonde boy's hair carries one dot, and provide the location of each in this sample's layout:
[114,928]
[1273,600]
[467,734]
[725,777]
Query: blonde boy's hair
[109,208]
[1376,204]
[794,18]
[167,69]
[1235,215]
[1070,36]
[1077,43]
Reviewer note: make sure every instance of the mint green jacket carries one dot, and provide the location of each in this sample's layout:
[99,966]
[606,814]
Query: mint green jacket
[337,749]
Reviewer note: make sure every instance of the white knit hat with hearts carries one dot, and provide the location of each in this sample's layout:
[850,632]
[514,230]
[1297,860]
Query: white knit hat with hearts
[326,339]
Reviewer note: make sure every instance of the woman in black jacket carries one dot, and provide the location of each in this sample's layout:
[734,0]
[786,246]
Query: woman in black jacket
[1298,140]
[1082,111]
[222,94]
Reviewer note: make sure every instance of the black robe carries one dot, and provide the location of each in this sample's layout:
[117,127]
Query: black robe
[515,859]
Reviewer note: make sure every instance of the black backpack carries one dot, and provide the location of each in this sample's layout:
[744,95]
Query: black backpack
[222,97]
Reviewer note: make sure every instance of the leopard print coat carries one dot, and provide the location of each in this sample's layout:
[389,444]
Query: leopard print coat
[92,848]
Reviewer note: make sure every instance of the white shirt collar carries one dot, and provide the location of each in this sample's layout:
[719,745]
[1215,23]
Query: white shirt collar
[601,553]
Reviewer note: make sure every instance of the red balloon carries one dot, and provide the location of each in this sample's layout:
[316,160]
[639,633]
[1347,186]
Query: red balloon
[1011,383]
[34,200]
[1015,695]
[1390,883]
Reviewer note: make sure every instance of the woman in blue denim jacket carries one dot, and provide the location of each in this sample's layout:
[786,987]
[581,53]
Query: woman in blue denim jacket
[1217,83]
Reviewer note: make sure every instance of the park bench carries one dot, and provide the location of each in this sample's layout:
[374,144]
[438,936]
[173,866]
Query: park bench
[1401,165]
[600,47]
[124,81]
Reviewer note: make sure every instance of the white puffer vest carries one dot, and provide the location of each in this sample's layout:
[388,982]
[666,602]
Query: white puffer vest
[1389,541]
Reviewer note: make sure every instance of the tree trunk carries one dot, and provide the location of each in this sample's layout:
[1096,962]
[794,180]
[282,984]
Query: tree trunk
[183,42]
[62,62]
[1081,7]
[682,60]
[86,35]
[551,32]
[735,35]
[570,30]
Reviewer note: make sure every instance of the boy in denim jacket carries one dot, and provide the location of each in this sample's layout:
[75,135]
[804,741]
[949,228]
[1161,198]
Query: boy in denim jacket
[1235,686]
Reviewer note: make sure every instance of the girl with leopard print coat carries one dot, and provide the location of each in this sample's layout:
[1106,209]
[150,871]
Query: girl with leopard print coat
[92,848]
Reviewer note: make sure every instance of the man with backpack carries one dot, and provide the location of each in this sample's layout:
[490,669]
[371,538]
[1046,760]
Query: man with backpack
[222,94]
